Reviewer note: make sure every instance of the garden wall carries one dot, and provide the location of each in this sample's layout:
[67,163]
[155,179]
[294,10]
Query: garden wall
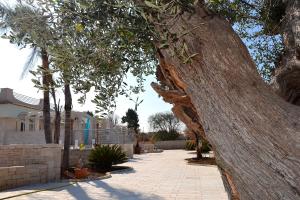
[147,147]
[128,148]
[170,144]
[27,164]
[26,137]
[75,154]
[1,136]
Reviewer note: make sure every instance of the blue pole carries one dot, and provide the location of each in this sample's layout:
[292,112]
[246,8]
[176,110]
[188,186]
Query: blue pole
[86,131]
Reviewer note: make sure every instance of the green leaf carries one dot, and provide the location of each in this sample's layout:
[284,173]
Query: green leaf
[79,28]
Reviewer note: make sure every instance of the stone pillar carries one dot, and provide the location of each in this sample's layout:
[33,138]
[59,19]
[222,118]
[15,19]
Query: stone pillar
[26,123]
[37,122]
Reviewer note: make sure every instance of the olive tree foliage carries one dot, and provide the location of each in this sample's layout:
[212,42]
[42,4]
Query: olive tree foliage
[103,41]
[107,42]
[257,22]
[93,45]
[165,121]
[25,26]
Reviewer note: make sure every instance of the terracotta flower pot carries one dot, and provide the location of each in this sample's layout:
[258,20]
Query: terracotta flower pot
[81,173]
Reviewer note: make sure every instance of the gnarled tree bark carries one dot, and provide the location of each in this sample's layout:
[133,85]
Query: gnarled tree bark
[287,76]
[255,134]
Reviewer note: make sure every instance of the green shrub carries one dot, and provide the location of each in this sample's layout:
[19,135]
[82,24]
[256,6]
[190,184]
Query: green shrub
[165,135]
[190,145]
[104,156]
[205,147]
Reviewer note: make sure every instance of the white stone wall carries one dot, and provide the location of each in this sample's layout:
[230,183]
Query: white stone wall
[170,144]
[26,137]
[1,136]
[128,148]
[147,147]
[75,154]
[26,164]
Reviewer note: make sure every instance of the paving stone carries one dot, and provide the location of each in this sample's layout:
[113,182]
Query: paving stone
[157,176]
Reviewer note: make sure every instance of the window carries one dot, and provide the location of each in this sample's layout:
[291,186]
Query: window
[22,128]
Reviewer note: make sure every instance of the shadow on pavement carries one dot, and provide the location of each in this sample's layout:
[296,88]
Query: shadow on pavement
[128,170]
[94,189]
[120,194]
[77,192]
[134,159]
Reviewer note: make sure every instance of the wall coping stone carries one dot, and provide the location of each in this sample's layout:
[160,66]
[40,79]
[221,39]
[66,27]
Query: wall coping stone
[29,146]
[11,167]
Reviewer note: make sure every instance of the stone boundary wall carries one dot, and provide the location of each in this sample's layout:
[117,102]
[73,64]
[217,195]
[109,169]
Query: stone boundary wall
[170,144]
[26,164]
[103,136]
[128,148]
[147,147]
[26,137]
[1,136]
[75,154]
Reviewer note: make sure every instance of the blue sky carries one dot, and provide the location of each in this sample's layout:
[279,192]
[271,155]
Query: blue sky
[12,60]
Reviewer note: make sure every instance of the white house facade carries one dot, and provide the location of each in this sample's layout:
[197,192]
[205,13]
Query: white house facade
[21,122]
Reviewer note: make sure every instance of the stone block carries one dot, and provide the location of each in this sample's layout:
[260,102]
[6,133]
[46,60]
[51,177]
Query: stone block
[21,182]
[12,169]
[37,159]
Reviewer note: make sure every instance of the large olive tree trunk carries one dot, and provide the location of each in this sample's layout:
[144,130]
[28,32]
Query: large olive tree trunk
[255,133]
[46,101]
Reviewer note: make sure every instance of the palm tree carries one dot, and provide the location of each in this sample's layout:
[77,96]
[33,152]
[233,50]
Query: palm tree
[28,27]
[29,65]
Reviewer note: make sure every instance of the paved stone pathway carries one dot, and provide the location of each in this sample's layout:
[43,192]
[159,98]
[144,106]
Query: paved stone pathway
[155,176]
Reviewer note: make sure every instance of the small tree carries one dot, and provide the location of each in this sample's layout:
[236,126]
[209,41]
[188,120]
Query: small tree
[132,120]
[164,121]
[196,136]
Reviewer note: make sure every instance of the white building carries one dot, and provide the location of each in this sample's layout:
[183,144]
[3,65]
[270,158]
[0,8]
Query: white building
[21,122]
